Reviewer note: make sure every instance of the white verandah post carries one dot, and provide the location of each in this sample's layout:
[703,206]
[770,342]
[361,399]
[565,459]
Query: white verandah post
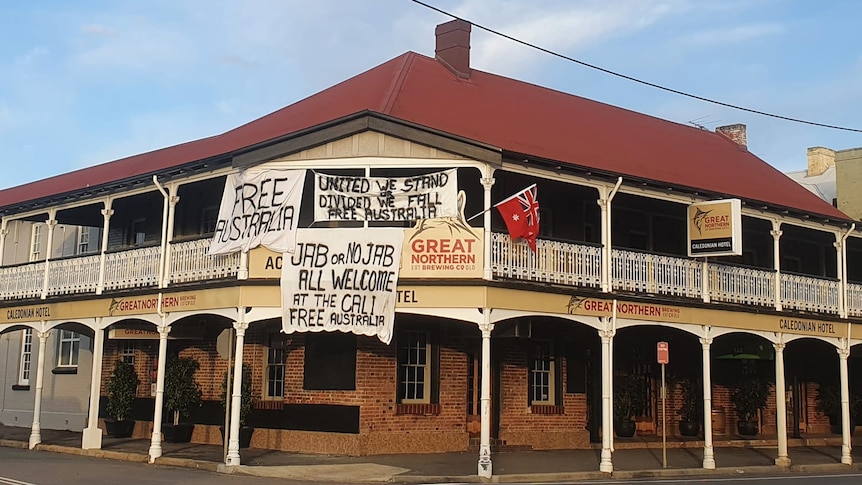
[36,428]
[92,436]
[485,467]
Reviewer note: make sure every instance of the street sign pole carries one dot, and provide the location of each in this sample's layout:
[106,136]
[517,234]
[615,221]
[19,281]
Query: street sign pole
[663,357]
[663,420]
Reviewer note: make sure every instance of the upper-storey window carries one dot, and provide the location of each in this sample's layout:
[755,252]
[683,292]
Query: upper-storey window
[209,219]
[83,240]
[36,242]
[137,232]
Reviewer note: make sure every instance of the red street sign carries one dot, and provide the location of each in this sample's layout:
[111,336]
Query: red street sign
[663,354]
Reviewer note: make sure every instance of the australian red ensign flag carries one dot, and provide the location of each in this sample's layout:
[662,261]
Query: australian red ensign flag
[521,213]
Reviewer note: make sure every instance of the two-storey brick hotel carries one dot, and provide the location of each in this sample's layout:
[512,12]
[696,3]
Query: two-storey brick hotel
[379,304]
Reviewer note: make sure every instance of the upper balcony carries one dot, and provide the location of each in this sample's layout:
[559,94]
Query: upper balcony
[559,263]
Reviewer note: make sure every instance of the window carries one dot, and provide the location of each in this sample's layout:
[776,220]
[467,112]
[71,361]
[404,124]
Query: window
[414,368]
[69,344]
[83,240]
[330,361]
[36,243]
[26,356]
[275,366]
[137,232]
[542,378]
[128,350]
[209,219]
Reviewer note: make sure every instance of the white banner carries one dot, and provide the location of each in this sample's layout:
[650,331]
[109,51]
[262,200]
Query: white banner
[342,280]
[347,198]
[259,208]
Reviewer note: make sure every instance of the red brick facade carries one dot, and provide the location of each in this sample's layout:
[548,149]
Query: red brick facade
[386,426]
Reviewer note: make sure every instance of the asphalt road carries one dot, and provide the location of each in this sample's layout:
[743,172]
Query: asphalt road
[836,479]
[24,467]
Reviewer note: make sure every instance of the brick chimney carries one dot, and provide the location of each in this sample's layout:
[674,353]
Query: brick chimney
[453,47]
[819,160]
[736,134]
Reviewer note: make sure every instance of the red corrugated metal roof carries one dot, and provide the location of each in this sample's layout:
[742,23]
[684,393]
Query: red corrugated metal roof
[495,110]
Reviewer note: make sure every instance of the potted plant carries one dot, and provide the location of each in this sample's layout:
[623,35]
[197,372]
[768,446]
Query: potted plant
[691,407]
[182,395]
[122,387]
[630,400]
[749,397]
[245,407]
[828,402]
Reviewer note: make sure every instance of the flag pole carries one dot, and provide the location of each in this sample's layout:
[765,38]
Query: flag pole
[479,214]
[501,202]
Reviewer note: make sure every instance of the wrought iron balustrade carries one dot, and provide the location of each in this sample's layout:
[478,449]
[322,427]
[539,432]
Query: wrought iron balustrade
[741,284]
[656,273]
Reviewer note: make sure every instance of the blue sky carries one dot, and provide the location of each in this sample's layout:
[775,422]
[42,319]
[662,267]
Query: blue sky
[90,81]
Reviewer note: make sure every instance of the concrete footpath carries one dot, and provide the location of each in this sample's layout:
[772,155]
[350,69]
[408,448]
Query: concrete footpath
[636,457]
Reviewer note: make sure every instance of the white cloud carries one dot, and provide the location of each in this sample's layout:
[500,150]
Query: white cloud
[742,33]
[563,27]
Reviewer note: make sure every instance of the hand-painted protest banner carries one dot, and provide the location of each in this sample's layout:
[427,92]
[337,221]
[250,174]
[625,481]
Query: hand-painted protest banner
[346,198]
[259,208]
[342,280]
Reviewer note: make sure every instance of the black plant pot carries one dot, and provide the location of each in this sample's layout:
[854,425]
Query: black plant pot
[119,429]
[245,433]
[177,433]
[835,425]
[746,428]
[689,428]
[625,428]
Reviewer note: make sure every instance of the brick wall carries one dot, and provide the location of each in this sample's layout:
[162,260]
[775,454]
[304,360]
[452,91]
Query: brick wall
[384,428]
[519,424]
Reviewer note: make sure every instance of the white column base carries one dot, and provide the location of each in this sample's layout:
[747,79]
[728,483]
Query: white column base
[607,464]
[485,467]
[846,457]
[155,447]
[708,458]
[92,439]
[782,461]
[35,437]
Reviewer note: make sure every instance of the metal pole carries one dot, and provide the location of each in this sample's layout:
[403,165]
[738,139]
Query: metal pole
[663,420]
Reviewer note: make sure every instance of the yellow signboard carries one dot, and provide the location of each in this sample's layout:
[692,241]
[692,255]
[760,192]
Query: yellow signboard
[715,228]
[446,247]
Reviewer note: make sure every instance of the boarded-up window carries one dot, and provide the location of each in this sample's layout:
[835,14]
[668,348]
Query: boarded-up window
[330,361]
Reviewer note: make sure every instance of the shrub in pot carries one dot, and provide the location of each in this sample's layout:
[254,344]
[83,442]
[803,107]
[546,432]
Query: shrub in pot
[828,402]
[630,400]
[122,387]
[182,396]
[749,397]
[691,407]
[246,404]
